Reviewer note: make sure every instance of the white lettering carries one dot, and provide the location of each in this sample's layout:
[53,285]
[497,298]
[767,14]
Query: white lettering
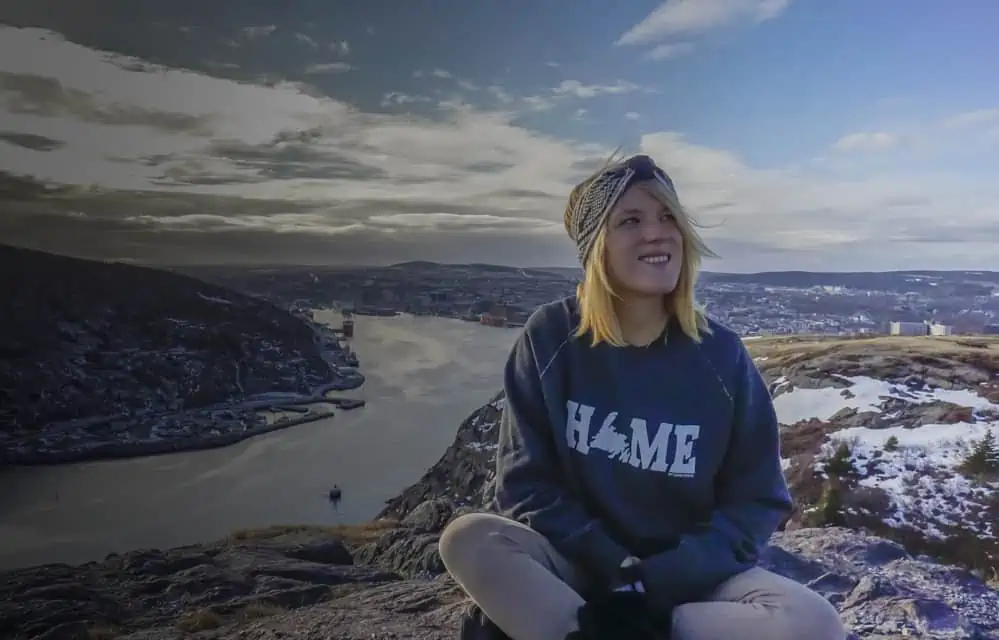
[577,426]
[634,446]
[684,462]
[646,454]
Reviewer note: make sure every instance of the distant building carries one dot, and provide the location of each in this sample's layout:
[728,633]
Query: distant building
[491,321]
[496,316]
[897,328]
[924,328]
[937,329]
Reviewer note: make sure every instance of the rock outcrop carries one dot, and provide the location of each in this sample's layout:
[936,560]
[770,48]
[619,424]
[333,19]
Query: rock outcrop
[879,434]
[111,360]
[153,336]
[385,579]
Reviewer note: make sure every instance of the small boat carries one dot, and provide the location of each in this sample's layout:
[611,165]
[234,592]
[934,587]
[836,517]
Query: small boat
[335,493]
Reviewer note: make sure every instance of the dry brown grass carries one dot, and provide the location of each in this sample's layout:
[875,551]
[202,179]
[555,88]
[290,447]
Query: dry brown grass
[992,578]
[103,632]
[206,619]
[343,590]
[351,534]
[200,621]
[805,345]
[945,356]
[257,610]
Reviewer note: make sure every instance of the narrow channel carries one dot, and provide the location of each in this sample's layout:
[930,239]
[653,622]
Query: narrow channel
[424,375]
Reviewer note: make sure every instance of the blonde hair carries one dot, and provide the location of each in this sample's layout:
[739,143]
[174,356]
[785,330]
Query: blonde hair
[596,293]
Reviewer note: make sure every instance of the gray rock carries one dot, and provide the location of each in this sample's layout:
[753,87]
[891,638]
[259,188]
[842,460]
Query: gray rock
[431,515]
[409,552]
[892,592]
[151,588]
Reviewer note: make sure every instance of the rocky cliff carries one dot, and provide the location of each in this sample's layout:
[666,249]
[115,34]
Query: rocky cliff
[90,351]
[862,535]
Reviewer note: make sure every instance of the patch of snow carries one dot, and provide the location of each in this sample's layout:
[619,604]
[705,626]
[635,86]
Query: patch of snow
[213,299]
[482,446]
[920,475]
[941,439]
[868,395]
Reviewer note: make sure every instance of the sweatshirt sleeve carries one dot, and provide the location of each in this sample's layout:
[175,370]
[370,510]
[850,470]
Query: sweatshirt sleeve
[752,499]
[529,486]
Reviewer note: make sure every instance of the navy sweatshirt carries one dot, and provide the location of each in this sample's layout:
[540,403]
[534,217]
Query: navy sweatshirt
[668,452]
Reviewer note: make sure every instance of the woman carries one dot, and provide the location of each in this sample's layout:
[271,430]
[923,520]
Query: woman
[637,434]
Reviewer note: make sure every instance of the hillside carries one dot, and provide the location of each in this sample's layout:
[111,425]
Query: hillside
[385,578]
[87,348]
[931,400]
[879,433]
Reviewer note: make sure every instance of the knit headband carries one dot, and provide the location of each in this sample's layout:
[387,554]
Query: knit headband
[591,201]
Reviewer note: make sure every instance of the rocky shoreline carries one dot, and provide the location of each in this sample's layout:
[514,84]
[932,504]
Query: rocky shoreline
[217,426]
[124,450]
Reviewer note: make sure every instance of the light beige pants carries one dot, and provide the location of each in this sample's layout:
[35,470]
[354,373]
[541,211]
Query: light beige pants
[530,591]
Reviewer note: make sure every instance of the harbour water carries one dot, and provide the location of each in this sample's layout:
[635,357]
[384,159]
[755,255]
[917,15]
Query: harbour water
[424,376]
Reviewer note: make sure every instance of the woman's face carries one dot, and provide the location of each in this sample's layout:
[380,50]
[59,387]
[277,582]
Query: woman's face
[644,245]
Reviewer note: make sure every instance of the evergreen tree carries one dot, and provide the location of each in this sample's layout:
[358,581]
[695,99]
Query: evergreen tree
[991,448]
[984,457]
[840,464]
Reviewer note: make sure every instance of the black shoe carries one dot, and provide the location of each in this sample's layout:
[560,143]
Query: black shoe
[475,625]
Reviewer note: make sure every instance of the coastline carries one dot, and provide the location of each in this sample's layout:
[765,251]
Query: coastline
[473,318]
[241,421]
[149,448]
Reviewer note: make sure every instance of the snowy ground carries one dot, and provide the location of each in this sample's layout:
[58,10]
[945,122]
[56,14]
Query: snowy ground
[919,474]
[868,395]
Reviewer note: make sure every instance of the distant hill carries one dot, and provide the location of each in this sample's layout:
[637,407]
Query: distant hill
[85,339]
[964,282]
[869,280]
[476,267]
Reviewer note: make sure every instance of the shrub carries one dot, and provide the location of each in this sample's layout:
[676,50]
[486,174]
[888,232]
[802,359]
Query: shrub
[840,463]
[891,444]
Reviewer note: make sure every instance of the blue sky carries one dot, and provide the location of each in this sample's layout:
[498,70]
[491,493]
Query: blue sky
[806,134]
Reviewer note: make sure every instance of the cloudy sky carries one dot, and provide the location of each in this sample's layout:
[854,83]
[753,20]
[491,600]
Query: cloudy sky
[807,134]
